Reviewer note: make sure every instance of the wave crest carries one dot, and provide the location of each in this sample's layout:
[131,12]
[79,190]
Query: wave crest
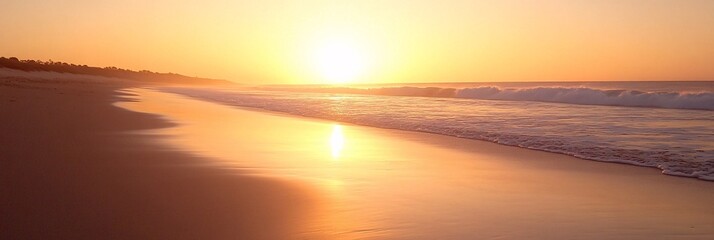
[568,95]
[589,96]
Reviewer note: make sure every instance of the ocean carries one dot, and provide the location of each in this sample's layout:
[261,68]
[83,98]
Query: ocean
[667,125]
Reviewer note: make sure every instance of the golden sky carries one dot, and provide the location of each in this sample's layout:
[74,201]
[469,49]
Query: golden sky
[372,41]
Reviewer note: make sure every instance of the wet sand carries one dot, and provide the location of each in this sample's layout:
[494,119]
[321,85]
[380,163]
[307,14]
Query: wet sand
[387,184]
[76,164]
[69,170]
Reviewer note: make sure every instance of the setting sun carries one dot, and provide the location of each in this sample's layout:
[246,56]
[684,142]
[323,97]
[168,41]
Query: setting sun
[339,61]
[390,119]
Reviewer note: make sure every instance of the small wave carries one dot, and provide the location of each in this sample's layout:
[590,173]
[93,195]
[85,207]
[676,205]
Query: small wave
[589,96]
[573,95]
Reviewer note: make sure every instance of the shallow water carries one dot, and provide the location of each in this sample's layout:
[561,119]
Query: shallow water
[678,141]
[373,183]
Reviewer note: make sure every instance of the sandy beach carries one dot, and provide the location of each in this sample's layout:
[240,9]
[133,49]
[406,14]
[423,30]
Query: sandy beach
[87,160]
[68,170]
[357,120]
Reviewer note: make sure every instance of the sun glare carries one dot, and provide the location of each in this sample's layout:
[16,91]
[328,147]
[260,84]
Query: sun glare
[337,141]
[340,61]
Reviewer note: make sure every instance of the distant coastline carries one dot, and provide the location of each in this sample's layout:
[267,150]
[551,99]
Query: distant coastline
[113,72]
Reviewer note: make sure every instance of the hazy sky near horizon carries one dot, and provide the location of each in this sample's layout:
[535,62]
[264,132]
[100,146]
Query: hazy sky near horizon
[393,41]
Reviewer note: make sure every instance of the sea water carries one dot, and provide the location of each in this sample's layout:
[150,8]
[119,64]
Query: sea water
[668,125]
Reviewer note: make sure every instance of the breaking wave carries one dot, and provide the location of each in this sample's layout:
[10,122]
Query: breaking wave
[569,95]
[589,96]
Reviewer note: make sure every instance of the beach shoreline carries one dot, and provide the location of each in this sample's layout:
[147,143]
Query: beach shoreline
[181,168]
[515,186]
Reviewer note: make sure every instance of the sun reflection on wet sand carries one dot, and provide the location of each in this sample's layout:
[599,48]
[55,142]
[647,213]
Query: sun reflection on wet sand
[337,141]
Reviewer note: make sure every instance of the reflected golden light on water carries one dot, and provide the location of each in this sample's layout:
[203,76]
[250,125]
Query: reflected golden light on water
[464,186]
[337,141]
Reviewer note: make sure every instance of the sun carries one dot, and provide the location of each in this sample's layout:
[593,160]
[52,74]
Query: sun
[340,61]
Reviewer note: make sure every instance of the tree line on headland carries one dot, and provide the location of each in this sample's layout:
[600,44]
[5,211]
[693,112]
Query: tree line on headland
[113,72]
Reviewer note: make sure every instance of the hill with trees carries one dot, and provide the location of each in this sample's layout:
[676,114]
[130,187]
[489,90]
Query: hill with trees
[113,72]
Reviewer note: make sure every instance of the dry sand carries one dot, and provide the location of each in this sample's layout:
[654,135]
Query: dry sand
[75,166]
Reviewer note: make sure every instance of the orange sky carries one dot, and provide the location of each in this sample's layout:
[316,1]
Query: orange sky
[397,41]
